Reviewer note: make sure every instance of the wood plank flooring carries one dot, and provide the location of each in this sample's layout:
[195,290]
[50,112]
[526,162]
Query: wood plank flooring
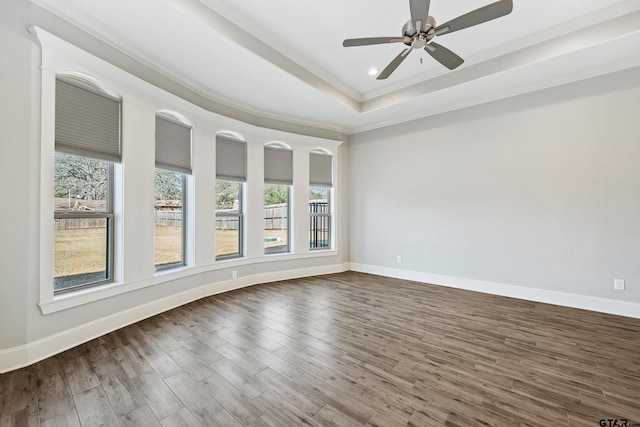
[348,349]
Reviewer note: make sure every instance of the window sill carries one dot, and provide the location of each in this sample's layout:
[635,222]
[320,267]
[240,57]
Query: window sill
[97,293]
[160,272]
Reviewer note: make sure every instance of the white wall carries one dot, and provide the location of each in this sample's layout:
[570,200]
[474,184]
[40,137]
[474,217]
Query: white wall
[26,334]
[18,227]
[540,191]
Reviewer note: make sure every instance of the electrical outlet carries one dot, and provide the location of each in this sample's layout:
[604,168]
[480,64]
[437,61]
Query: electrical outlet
[618,285]
[399,259]
[234,274]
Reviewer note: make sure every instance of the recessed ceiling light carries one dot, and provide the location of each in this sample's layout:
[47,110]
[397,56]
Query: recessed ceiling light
[373,72]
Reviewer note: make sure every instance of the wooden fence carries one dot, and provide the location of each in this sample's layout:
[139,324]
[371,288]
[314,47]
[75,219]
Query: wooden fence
[171,218]
[227,222]
[275,218]
[75,223]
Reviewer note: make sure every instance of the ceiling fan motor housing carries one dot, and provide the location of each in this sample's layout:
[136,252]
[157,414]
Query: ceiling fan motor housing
[415,40]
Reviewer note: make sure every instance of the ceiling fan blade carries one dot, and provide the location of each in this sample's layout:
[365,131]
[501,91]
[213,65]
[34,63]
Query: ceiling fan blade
[394,64]
[373,40]
[443,55]
[419,13]
[475,17]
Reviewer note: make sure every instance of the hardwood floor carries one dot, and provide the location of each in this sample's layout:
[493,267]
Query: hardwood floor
[347,349]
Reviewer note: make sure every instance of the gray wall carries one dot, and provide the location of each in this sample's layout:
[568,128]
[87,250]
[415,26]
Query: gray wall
[18,151]
[540,191]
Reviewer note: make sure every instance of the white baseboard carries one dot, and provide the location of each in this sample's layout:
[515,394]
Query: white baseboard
[603,305]
[25,355]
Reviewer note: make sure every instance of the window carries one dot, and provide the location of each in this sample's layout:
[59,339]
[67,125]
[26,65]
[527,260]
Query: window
[231,173]
[320,183]
[228,218]
[276,218]
[169,230]
[319,218]
[87,143]
[278,177]
[173,164]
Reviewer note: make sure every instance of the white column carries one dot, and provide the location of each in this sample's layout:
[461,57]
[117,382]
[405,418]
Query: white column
[299,221]
[47,159]
[254,201]
[134,188]
[202,203]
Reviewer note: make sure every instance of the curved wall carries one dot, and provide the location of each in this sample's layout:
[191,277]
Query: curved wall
[34,324]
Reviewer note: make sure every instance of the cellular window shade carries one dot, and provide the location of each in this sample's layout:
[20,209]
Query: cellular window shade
[87,123]
[320,170]
[231,159]
[173,146]
[278,166]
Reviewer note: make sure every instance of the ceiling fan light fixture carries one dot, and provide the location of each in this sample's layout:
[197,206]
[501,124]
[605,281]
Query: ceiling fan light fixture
[419,42]
[373,71]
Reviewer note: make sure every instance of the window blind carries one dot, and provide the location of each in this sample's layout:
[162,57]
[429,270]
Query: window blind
[231,159]
[173,146]
[320,167]
[87,123]
[278,166]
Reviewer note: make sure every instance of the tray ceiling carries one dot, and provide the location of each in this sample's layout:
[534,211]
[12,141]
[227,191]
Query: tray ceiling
[284,58]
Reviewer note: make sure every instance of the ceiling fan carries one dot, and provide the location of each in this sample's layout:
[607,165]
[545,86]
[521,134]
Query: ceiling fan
[418,32]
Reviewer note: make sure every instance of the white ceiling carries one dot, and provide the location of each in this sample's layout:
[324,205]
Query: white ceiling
[284,58]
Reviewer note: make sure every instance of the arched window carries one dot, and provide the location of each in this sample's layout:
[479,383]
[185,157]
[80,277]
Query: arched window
[231,176]
[278,179]
[173,165]
[320,185]
[87,144]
